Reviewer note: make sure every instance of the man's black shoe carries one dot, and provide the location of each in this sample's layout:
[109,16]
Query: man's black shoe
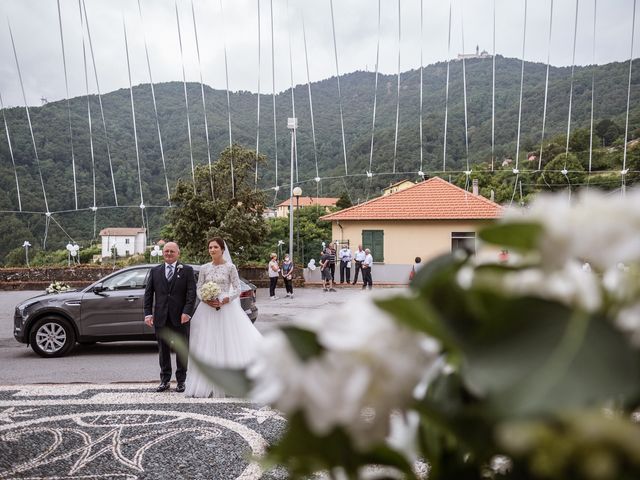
[180,387]
[164,386]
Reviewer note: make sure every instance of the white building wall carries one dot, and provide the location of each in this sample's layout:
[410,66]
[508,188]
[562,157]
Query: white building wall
[136,245]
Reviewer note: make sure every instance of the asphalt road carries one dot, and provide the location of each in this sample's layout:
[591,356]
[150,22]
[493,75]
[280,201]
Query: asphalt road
[122,362]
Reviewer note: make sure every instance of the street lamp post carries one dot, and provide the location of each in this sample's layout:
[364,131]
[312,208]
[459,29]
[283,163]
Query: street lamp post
[292,124]
[297,192]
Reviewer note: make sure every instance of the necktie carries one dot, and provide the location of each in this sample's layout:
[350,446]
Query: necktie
[169,272]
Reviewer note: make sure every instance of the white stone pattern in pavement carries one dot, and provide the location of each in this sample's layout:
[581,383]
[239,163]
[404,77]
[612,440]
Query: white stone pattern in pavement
[125,432]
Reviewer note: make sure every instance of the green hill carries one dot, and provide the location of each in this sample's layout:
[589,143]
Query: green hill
[51,130]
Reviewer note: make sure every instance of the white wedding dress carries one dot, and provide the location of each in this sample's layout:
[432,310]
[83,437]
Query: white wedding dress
[222,338]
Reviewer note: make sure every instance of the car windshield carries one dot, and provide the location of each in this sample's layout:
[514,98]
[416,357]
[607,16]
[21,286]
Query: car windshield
[129,279]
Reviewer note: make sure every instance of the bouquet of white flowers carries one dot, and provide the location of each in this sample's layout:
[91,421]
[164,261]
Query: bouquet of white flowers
[57,287]
[209,291]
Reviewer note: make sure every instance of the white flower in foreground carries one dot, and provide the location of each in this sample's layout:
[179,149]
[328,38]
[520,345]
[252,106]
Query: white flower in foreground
[369,367]
[628,321]
[572,285]
[598,228]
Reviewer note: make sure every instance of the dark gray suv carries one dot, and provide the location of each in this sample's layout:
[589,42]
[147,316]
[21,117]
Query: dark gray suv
[110,310]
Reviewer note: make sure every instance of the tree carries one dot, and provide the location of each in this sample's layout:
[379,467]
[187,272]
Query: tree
[553,178]
[214,208]
[344,201]
[607,130]
[313,232]
[579,140]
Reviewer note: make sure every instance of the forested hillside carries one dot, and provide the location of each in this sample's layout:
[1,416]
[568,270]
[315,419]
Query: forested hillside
[51,130]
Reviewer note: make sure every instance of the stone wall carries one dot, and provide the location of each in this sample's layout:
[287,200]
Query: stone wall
[40,277]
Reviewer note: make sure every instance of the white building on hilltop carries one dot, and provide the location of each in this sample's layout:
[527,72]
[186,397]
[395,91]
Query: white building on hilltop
[125,241]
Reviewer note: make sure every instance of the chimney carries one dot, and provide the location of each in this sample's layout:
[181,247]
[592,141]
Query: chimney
[493,195]
[475,186]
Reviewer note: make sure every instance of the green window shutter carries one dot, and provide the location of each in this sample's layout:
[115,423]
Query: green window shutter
[374,241]
[378,246]
[367,239]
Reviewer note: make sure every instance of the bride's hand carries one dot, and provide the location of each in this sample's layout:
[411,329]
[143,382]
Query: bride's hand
[213,303]
[224,301]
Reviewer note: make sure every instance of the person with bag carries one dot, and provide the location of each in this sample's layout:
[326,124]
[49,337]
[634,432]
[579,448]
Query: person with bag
[287,275]
[274,272]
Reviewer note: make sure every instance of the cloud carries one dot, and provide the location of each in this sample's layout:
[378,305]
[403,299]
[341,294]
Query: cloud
[36,32]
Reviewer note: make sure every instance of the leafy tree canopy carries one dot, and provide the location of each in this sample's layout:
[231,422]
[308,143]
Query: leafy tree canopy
[223,202]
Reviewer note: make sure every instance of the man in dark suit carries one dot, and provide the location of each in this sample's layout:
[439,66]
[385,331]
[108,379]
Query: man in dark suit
[169,301]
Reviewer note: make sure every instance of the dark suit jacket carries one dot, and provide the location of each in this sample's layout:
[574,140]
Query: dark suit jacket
[173,298]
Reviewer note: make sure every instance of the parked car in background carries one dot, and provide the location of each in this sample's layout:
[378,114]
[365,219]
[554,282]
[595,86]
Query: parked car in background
[109,310]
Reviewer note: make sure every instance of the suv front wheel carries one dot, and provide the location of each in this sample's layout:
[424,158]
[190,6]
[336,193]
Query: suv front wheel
[52,337]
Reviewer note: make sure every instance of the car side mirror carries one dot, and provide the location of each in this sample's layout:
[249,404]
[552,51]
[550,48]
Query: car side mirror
[98,288]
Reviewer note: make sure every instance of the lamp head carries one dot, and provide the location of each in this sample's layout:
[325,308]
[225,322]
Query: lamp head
[297,191]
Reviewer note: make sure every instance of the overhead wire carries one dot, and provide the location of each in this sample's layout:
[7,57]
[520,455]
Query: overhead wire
[293,99]
[133,118]
[335,52]
[204,102]
[546,87]
[313,128]
[13,159]
[255,180]
[395,138]
[89,118]
[186,98]
[273,97]
[66,86]
[104,123]
[375,93]
[155,105]
[26,107]
[226,76]
[626,122]
[593,81]
[524,39]
[573,66]
[446,96]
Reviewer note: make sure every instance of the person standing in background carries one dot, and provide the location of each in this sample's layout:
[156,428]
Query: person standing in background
[274,273]
[366,270]
[327,281]
[287,275]
[332,263]
[417,264]
[345,263]
[359,258]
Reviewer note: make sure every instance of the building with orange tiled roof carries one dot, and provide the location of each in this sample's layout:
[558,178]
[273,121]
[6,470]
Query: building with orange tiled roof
[427,219]
[324,202]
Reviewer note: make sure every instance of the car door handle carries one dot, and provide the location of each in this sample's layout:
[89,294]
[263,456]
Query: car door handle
[132,298]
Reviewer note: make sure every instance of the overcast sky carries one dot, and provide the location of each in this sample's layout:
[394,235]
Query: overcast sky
[37,39]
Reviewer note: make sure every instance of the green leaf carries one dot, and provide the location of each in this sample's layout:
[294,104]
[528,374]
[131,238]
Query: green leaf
[528,355]
[418,315]
[304,342]
[303,452]
[232,381]
[520,236]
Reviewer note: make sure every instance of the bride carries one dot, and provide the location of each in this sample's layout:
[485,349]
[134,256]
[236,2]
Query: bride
[221,333]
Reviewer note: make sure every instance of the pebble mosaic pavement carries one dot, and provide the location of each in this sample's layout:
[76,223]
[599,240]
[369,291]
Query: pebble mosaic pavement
[129,432]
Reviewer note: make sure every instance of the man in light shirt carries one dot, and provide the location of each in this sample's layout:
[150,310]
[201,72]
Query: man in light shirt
[345,263]
[359,258]
[366,270]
